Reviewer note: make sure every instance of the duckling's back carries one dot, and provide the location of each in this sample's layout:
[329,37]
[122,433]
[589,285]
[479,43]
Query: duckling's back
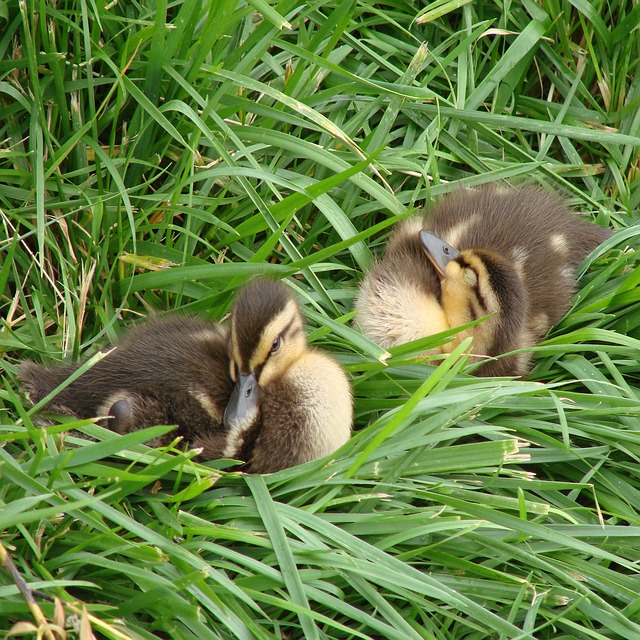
[164,369]
[531,227]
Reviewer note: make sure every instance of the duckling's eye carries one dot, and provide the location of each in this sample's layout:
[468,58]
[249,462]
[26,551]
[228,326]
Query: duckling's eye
[276,344]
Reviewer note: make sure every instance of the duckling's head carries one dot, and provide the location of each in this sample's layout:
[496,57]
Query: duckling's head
[475,283]
[267,336]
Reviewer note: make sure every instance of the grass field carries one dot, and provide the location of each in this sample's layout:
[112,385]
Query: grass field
[156,156]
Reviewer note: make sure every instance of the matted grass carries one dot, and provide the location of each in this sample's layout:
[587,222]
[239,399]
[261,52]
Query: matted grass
[156,157]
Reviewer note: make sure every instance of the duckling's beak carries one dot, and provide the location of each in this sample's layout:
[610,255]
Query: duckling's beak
[438,251]
[242,410]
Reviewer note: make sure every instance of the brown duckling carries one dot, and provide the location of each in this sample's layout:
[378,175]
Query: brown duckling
[509,254]
[254,392]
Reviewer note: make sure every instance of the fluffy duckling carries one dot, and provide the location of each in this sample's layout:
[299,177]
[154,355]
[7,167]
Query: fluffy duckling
[254,392]
[509,254]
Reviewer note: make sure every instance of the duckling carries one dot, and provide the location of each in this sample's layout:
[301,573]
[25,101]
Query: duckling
[509,254]
[254,391]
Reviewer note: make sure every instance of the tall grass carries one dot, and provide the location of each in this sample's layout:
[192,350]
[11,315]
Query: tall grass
[155,157]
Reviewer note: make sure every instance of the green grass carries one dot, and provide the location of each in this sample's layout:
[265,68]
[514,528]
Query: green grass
[155,157]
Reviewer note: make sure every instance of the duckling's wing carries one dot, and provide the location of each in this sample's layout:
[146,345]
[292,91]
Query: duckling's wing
[131,410]
[171,356]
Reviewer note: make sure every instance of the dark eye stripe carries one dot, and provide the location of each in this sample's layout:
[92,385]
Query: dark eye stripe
[479,297]
[463,263]
[284,332]
[500,282]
